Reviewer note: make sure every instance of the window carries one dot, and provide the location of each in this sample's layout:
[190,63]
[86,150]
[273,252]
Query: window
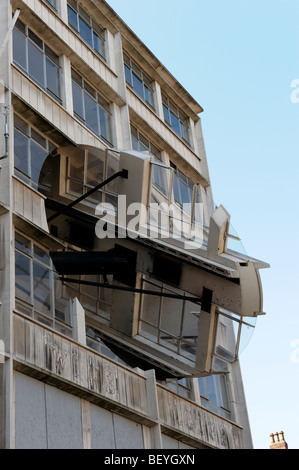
[96,301]
[39,292]
[88,30]
[94,341]
[170,322]
[86,169]
[90,108]
[140,83]
[214,394]
[36,59]
[180,386]
[182,189]
[176,119]
[30,151]
[53,3]
[142,144]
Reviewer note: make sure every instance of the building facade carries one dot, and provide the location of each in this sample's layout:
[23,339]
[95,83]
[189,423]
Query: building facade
[123,299]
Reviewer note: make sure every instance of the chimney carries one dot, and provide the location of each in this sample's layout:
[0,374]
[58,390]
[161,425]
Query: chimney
[277,441]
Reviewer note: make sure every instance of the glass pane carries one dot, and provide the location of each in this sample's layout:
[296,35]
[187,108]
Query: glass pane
[148,95]
[176,189]
[105,124]
[53,3]
[175,123]
[171,315]
[36,68]
[98,44]
[138,86]
[21,152]
[225,346]
[72,17]
[85,32]
[76,166]
[41,289]
[52,76]
[91,115]
[128,75]
[38,156]
[112,168]
[202,387]
[22,276]
[35,39]
[19,49]
[41,255]
[190,329]
[22,243]
[210,381]
[78,99]
[151,305]
[185,131]
[94,169]
[135,144]
[62,306]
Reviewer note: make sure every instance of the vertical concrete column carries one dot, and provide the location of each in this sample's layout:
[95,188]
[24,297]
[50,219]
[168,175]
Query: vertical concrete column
[86,424]
[158,100]
[153,408]
[78,317]
[63,10]
[122,117]
[7,418]
[66,85]
[199,148]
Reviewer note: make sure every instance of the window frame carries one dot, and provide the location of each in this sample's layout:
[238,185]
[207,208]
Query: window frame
[28,306]
[158,330]
[87,92]
[52,4]
[48,56]
[107,194]
[216,386]
[33,136]
[95,28]
[176,120]
[133,73]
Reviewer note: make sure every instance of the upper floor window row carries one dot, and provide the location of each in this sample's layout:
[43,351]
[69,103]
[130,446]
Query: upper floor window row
[36,59]
[140,83]
[88,30]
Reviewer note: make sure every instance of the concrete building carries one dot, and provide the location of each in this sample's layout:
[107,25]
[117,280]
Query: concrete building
[124,298]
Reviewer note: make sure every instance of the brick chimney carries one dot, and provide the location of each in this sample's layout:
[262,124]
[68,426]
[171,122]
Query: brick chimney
[277,441]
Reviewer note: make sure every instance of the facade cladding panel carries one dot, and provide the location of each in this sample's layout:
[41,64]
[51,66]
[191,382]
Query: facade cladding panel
[113,335]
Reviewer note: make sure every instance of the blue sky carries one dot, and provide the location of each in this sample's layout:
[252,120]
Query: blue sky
[238,59]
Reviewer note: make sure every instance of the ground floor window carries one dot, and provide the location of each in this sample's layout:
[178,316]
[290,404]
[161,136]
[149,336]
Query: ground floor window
[214,394]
